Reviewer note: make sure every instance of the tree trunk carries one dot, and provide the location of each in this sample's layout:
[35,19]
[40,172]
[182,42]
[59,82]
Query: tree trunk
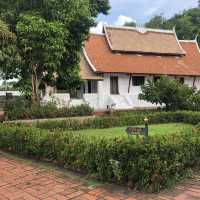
[35,85]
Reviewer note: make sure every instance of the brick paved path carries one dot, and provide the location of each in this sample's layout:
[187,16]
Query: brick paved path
[22,180]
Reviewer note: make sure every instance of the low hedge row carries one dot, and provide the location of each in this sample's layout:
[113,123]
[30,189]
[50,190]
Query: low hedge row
[21,109]
[119,121]
[153,163]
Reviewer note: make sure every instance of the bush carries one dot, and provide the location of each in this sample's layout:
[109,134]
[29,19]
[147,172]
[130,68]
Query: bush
[17,108]
[194,101]
[21,109]
[171,93]
[152,163]
[123,120]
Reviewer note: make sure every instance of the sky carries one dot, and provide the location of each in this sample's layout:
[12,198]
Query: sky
[141,11]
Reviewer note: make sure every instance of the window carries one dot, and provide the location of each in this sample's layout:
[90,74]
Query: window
[114,88]
[138,80]
[92,87]
[182,80]
[156,78]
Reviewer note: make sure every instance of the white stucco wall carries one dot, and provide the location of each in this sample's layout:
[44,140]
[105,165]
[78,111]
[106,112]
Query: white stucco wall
[125,100]
[14,93]
[197,83]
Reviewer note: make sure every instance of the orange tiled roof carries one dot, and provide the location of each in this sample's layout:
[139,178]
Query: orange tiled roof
[104,60]
[142,40]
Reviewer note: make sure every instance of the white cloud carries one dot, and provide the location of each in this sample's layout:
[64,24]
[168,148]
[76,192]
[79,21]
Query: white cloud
[98,28]
[122,19]
[143,10]
[152,11]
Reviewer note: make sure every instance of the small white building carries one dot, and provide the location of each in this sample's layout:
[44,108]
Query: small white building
[116,63]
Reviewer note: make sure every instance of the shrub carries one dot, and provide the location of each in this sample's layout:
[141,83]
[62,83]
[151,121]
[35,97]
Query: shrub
[125,120]
[194,101]
[21,109]
[17,108]
[152,163]
[170,93]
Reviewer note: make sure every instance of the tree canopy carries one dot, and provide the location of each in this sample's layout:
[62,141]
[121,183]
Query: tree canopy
[5,34]
[41,44]
[130,24]
[50,34]
[170,93]
[187,24]
[9,57]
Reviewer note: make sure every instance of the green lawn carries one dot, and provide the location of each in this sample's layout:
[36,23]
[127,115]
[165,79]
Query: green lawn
[153,130]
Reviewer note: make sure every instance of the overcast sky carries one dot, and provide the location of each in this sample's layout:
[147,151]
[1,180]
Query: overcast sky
[143,10]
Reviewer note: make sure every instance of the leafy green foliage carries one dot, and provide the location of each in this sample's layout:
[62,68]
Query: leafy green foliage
[6,35]
[99,6]
[21,109]
[31,19]
[130,24]
[168,92]
[133,119]
[9,57]
[153,163]
[156,22]
[187,24]
[41,44]
[194,101]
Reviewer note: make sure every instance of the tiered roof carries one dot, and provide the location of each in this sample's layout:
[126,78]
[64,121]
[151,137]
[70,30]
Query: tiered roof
[142,51]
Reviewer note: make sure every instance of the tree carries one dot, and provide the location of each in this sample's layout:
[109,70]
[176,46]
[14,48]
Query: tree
[187,24]
[156,22]
[9,58]
[130,24]
[41,44]
[77,16]
[99,6]
[168,92]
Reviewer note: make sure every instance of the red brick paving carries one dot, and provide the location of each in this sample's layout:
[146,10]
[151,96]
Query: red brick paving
[22,180]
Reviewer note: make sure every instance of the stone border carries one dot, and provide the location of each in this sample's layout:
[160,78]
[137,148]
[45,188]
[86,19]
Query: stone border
[31,121]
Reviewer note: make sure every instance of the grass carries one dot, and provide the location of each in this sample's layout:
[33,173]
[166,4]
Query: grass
[153,130]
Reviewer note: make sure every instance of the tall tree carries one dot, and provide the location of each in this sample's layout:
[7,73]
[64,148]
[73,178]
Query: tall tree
[130,24]
[187,24]
[77,16]
[156,22]
[41,44]
[9,57]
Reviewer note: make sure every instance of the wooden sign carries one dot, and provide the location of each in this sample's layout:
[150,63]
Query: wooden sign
[136,131]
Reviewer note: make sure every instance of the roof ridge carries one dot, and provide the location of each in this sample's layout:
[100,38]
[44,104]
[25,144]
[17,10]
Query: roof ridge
[179,50]
[192,41]
[138,29]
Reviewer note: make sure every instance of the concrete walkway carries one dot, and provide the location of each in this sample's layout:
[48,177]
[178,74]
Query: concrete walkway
[26,180]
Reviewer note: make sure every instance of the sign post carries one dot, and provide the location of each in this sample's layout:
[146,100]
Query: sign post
[138,130]
[146,122]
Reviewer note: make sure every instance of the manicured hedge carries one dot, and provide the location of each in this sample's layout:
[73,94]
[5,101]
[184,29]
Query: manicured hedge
[152,163]
[125,120]
[21,109]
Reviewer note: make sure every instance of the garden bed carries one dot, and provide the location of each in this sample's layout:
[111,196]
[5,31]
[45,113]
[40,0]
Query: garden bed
[122,120]
[169,153]
[152,163]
